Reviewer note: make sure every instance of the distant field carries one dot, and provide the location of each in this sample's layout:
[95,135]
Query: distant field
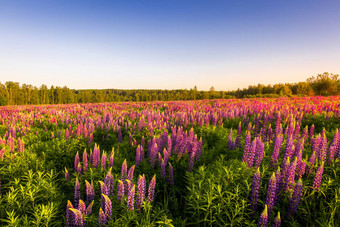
[236,162]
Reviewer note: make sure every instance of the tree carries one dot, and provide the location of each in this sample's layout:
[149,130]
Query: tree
[325,84]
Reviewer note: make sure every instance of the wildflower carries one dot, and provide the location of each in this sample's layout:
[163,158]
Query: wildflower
[76,193]
[255,190]
[295,199]
[131,199]
[263,218]
[151,191]
[318,177]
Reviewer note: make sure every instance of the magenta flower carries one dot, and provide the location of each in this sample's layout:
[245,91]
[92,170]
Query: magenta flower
[78,218]
[141,186]
[151,191]
[102,218]
[254,195]
[107,206]
[89,208]
[76,161]
[131,199]
[112,157]
[69,214]
[263,218]
[191,161]
[171,174]
[277,220]
[318,177]
[120,190]
[67,175]
[295,199]
[130,172]
[76,193]
[85,162]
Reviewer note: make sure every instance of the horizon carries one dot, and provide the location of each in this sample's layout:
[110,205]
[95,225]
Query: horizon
[167,45]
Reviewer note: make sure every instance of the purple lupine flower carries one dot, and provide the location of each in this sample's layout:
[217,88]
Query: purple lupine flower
[141,188]
[277,148]
[153,154]
[311,163]
[95,156]
[331,154]
[305,133]
[103,191]
[76,161]
[247,147]
[81,206]
[102,218]
[166,156]
[318,177]
[271,194]
[123,174]
[89,208]
[90,139]
[259,152]
[112,157]
[289,180]
[323,147]
[89,192]
[142,141]
[107,206]
[163,169]
[277,221]
[131,199]
[129,186]
[141,154]
[130,140]
[301,169]
[120,136]
[295,199]
[130,173]
[238,137]
[109,181]
[252,152]
[79,168]
[159,159]
[254,195]
[289,149]
[137,159]
[151,191]
[76,193]
[169,145]
[85,162]
[171,174]
[69,214]
[103,161]
[78,218]
[121,190]
[191,161]
[263,218]
[67,134]
[67,175]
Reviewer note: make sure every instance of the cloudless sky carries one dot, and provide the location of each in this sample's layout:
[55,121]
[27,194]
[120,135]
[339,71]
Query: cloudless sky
[167,44]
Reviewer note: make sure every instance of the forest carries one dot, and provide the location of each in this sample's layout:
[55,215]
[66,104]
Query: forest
[12,93]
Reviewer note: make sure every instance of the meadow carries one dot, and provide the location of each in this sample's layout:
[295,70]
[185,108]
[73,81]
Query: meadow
[235,162]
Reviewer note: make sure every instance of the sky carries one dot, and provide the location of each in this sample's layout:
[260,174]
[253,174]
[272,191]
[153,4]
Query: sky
[167,44]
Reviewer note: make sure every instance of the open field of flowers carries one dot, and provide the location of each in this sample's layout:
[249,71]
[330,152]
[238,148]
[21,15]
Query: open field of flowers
[249,162]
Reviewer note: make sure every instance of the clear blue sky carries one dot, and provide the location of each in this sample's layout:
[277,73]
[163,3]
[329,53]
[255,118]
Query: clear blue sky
[167,44]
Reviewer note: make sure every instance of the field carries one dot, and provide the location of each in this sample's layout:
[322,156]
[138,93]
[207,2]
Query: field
[237,162]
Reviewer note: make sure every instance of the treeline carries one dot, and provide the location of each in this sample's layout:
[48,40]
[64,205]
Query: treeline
[12,93]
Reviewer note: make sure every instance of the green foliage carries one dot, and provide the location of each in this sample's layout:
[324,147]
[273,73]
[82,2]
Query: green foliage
[218,195]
